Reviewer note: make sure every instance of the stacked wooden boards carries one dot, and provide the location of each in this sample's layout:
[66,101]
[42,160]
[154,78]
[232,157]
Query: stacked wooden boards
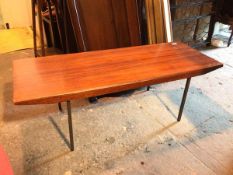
[158,21]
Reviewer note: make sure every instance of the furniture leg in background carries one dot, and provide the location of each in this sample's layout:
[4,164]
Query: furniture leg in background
[34,27]
[223,14]
[37,4]
[41,30]
[229,41]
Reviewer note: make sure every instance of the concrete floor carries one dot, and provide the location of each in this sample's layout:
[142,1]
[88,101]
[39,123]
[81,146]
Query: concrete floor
[133,135]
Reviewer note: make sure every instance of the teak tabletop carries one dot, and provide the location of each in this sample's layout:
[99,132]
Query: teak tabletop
[60,78]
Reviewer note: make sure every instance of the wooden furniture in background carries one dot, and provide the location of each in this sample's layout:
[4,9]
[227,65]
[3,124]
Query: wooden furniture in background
[74,76]
[38,11]
[49,21]
[85,25]
[223,14]
[105,24]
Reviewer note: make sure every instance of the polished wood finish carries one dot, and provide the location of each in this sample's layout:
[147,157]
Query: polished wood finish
[133,22]
[65,77]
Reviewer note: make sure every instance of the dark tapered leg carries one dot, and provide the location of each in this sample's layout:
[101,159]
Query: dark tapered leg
[93,99]
[148,88]
[60,107]
[211,30]
[34,27]
[41,29]
[229,41]
[52,27]
[184,99]
[70,126]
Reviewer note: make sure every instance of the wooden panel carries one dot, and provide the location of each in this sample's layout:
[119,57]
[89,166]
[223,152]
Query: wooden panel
[105,24]
[150,22]
[71,8]
[133,22]
[98,24]
[166,8]
[158,21]
[121,22]
[66,77]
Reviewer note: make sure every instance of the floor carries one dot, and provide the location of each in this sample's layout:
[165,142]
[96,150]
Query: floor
[129,135]
[15,39]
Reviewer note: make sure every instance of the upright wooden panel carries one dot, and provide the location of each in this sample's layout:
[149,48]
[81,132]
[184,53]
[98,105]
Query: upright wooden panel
[133,22]
[104,24]
[159,21]
[98,24]
[121,22]
[156,21]
[150,22]
[76,24]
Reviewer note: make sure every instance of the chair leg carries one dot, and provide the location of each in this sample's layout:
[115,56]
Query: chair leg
[60,107]
[211,30]
[39,5]
[51,26]
[34,26]
[93,99]
[229,41]
[184,99]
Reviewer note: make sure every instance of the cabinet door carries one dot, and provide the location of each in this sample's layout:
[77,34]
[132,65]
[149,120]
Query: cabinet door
[105,24]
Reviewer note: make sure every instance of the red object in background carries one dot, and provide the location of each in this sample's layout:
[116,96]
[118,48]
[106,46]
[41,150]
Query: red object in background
[5,166]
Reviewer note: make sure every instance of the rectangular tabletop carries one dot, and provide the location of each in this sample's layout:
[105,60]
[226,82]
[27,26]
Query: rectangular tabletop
[72,76]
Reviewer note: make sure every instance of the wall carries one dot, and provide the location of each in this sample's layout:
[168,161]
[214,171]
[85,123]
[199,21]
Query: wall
[1,20]
[187,26]
[16,12]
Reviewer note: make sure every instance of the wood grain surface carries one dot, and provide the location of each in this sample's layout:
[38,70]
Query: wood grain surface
[59,78]
[105,24]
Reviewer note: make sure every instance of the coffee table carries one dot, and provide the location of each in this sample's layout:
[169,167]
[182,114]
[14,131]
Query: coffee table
[62,78]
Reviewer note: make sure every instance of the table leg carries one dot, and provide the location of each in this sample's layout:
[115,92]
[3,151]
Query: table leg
[184,99]
[70,126]
[60,107]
